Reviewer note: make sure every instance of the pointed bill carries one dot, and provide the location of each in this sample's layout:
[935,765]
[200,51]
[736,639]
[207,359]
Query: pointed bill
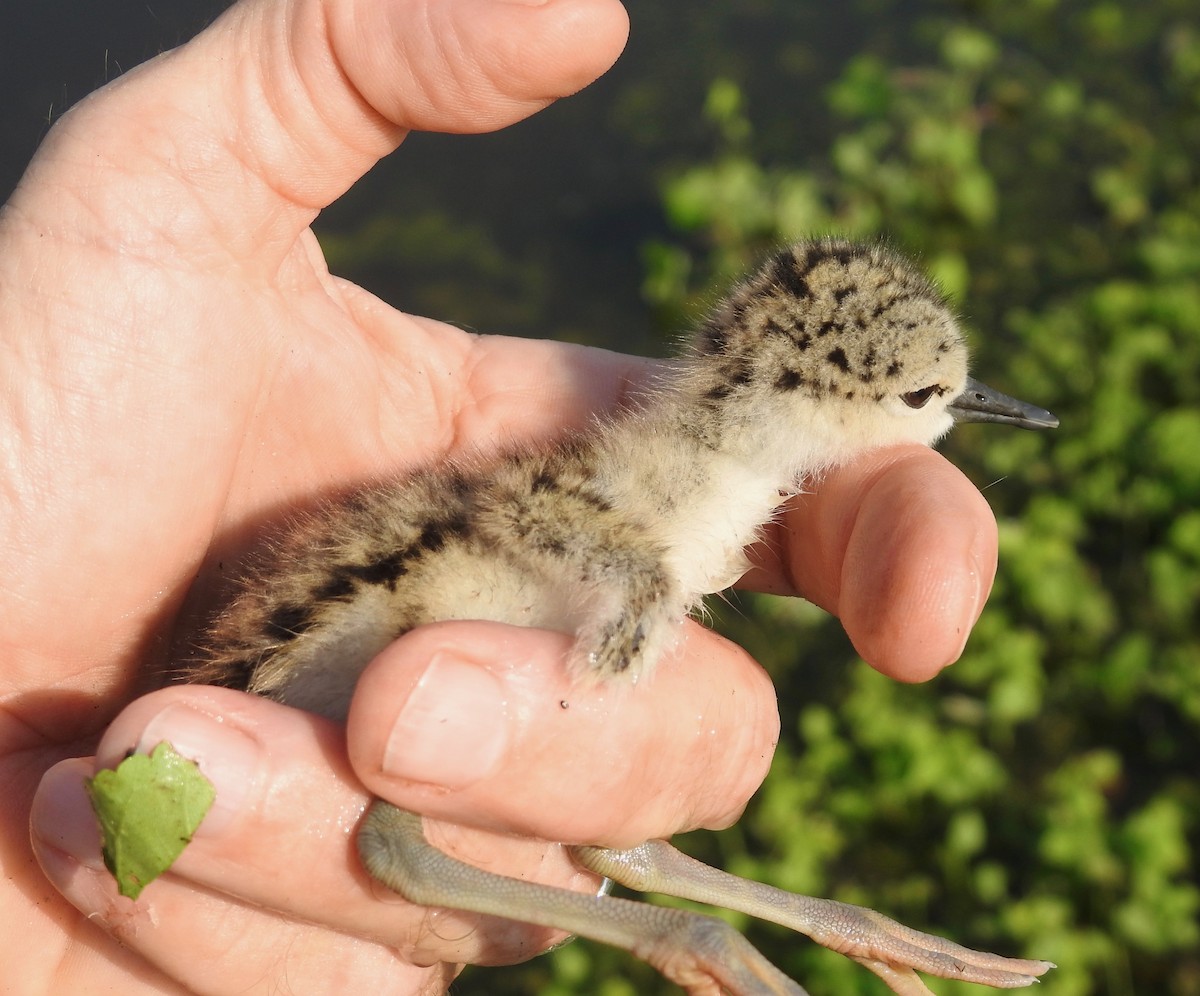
[980,403]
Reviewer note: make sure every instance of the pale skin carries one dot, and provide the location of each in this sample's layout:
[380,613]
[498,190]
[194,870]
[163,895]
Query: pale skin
[180,367]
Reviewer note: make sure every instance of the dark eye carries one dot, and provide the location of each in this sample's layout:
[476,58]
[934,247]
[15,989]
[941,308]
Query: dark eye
[918,399]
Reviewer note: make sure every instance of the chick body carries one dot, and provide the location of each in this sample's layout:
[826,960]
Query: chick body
[613,536]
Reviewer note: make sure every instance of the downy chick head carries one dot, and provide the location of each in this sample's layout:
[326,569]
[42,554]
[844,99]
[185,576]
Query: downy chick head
[832,348]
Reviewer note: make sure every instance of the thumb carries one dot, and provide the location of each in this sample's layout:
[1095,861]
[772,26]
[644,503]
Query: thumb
[244,133]
[472,65]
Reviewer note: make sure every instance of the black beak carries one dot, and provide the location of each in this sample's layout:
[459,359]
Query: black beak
[979,403]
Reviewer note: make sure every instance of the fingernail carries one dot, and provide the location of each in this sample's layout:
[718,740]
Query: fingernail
[971,597]
[62,815]
[452,730]
[227,757]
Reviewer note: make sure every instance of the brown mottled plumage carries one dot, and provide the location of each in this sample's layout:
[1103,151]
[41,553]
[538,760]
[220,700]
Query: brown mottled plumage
[613,536]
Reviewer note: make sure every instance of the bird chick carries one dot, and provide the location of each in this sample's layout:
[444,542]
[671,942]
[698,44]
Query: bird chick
[613,536]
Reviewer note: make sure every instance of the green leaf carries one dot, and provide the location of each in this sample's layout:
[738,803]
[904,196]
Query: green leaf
[148,807]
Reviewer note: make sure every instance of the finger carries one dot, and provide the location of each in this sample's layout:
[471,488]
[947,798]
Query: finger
[204,940]
[270,114]
[900,546]
[486,391]
[278,838]
[479,723]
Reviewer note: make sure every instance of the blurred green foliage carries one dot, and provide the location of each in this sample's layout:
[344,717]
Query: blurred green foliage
[1043,158]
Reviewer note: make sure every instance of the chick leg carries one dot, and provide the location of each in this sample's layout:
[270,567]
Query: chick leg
[702,954]
[889,949]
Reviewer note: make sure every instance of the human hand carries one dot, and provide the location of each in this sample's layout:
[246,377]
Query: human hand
[181,368]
